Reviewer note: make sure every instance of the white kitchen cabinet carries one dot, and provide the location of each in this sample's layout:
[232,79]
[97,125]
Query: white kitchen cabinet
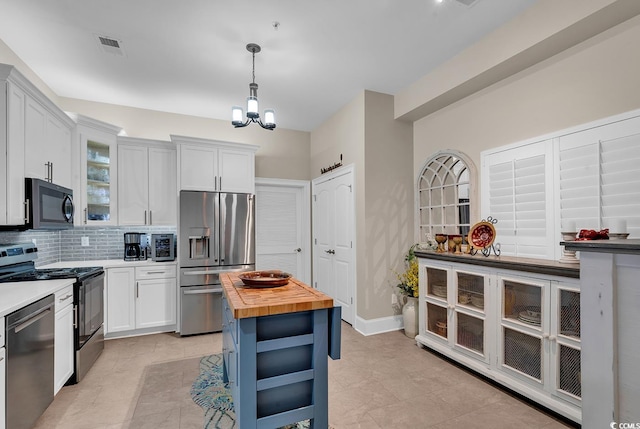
[3,376]
[12,154]
[96,171]
[519,328]
[3,388]
[47,143]
[120,295]
[35,142]
[209,165]
[147,176]
[156,291]
[141,299]
[63,338]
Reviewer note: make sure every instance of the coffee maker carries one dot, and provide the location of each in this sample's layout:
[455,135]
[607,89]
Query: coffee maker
[132,248]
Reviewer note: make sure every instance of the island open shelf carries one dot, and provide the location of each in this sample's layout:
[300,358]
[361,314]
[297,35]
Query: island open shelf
[275,347]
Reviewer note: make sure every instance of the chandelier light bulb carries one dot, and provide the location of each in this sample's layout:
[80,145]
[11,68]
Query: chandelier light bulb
[236,115]
[270,117]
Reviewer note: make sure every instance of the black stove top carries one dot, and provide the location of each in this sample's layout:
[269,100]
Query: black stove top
[80,273]
[17,264]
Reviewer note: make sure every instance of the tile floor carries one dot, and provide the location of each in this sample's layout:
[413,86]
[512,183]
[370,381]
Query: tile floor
[382,382]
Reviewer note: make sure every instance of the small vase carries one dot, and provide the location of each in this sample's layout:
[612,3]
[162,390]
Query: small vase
[410,317]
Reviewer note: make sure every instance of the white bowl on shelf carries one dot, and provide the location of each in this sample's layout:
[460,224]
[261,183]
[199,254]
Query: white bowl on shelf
[477,300]
[439,290]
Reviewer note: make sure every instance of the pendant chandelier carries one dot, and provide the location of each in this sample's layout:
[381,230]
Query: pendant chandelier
[253,115]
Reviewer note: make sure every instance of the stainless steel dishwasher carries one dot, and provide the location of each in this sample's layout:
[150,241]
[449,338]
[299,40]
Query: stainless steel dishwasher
[29,338]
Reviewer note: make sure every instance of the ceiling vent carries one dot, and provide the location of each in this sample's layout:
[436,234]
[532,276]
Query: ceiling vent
[110,45]
[468,2]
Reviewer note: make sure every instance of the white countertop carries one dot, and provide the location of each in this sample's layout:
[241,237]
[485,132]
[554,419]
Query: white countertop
[14,296]
[105,263]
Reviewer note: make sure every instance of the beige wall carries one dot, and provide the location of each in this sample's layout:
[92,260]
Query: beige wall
[366,134]
[388,213]
[595,79]
[283,154]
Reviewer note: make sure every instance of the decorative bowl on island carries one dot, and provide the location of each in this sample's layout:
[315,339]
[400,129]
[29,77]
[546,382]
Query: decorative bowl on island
[269,278]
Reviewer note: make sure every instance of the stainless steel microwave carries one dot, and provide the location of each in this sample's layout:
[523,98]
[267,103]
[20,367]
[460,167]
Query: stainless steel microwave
[48,206]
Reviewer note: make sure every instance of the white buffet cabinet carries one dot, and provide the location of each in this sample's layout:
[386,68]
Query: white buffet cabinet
[140,299]
[517,327]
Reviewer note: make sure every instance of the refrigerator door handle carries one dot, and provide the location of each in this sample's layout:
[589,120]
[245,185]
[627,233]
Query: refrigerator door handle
[201,291]
[203,272]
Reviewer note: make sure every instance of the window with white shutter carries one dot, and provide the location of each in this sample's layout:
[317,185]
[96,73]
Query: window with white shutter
[584,178]
[599,178]
[517,190]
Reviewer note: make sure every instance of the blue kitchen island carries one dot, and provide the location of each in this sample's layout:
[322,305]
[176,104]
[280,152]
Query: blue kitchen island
[276,344]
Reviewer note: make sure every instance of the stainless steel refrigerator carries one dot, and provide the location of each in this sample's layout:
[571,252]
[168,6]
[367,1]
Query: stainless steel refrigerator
[216,234]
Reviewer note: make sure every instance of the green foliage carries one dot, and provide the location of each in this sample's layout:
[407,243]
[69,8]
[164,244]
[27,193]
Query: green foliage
[409,278]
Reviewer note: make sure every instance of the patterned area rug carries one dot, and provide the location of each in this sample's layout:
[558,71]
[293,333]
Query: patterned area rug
[214,396]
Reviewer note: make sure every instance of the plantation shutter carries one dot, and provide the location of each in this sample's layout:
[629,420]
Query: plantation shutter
[517,190]
[599,173]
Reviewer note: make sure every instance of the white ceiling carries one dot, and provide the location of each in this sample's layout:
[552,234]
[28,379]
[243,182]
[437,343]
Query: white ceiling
[189,56]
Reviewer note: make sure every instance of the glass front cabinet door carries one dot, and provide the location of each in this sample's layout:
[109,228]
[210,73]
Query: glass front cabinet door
[98,173]
[454,308]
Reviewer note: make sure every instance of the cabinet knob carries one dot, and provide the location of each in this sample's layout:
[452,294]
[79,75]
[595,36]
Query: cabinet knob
[297,250]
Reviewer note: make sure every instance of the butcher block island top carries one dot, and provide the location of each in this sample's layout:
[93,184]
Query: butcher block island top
[246,301]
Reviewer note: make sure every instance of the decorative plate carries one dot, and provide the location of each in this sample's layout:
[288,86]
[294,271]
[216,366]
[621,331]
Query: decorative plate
[525,317]
[482,235]
[271,278]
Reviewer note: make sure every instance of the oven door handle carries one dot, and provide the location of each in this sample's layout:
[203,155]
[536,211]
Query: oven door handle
[75,317]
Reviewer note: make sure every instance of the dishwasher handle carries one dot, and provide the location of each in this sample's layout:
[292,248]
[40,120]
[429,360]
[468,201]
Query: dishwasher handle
[201,291]
[30,319]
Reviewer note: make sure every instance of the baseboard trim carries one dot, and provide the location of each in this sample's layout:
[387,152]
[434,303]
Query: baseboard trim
[378,326]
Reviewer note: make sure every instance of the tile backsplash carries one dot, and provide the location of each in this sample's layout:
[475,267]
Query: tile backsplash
[57,246]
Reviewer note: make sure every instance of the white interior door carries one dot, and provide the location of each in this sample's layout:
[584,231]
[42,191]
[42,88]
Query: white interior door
[283,227]
[334,239]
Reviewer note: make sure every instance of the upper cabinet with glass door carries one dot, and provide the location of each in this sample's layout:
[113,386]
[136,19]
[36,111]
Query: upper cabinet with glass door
[97,143]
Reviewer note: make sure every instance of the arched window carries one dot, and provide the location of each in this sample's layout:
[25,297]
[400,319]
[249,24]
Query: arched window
[446,190]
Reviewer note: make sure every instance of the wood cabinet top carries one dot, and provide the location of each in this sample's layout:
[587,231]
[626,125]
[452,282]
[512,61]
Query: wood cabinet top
[255,302]
[530,265]
[631,246]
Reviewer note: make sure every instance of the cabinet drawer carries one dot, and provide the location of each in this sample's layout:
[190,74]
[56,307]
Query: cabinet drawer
[160,271]
[1,331]
[228,321]
[63,297]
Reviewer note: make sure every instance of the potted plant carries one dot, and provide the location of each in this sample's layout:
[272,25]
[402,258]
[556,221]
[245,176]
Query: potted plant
[408,287]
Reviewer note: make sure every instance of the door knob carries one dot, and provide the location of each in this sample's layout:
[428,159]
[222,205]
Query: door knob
[331,252]
[298,250]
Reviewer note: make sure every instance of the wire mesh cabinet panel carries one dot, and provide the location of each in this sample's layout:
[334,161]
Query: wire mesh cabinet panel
[540,334]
